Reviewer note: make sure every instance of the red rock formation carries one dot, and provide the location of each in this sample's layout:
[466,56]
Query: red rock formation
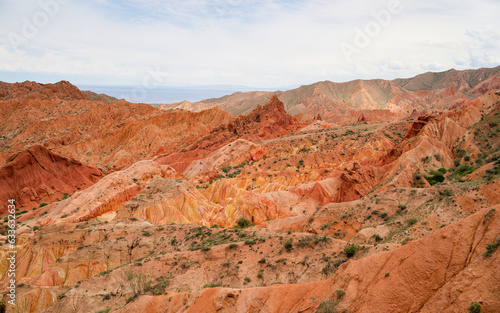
[445,271]
[94,243]
[356,181]
[38,174]
[264,122]
[109,135]
[336,101]
[33,90]
[361,116]
[414,129]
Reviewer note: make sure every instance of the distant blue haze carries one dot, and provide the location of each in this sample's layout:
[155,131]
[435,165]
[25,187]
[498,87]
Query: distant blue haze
[167,95]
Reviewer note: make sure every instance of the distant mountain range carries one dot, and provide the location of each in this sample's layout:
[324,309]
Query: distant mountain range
[424,92]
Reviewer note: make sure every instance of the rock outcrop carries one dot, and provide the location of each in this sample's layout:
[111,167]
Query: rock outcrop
[38,175]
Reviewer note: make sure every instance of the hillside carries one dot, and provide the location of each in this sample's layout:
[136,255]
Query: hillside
[125,207]
[345,102]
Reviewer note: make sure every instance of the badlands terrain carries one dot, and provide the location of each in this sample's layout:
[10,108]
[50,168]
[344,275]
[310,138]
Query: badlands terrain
[365,196]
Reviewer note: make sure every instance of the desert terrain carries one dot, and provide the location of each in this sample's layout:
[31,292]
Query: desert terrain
[365,196]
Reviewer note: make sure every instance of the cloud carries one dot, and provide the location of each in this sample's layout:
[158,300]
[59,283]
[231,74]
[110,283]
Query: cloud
[261,43]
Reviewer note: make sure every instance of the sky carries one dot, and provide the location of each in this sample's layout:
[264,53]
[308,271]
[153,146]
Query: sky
[257,43]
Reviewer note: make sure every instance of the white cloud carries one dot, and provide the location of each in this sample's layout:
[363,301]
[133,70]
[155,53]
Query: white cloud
[262,43]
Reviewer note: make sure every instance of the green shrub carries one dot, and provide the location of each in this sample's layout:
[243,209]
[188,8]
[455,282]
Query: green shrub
[425,159]
[491,247]
[232,246]
[251,241]
[340,293]
[288,244]
[131,298]
[307,241]
[216,284]
[328,306]
[475,307]
[244,223]
[437,177]
[463,169]
[411,221]
[461,153]
[446,192]
[159,288]
[260,273]
[350,250]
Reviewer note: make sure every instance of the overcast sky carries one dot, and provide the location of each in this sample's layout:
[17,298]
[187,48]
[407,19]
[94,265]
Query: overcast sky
[258,43]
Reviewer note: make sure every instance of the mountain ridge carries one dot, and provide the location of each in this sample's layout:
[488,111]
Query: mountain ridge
[128,208]
[374,94]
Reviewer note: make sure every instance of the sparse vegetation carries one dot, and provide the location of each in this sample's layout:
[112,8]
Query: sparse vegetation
[475,307]
[260,274]
[328,225]
[328,306]
[244,223]
[213,285]
[340,293]
[350,250]
[262,222]
[492,247]
[232,246]
[411,221]
[446,193]
[437,177]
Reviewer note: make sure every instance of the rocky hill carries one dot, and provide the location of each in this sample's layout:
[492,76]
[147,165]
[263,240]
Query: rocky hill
[346,102]
[124,207]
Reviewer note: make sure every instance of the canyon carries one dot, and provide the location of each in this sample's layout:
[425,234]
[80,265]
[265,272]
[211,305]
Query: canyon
[365,196]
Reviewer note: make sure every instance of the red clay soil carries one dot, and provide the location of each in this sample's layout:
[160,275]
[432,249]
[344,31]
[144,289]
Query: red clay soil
[38,174]
[264,122]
